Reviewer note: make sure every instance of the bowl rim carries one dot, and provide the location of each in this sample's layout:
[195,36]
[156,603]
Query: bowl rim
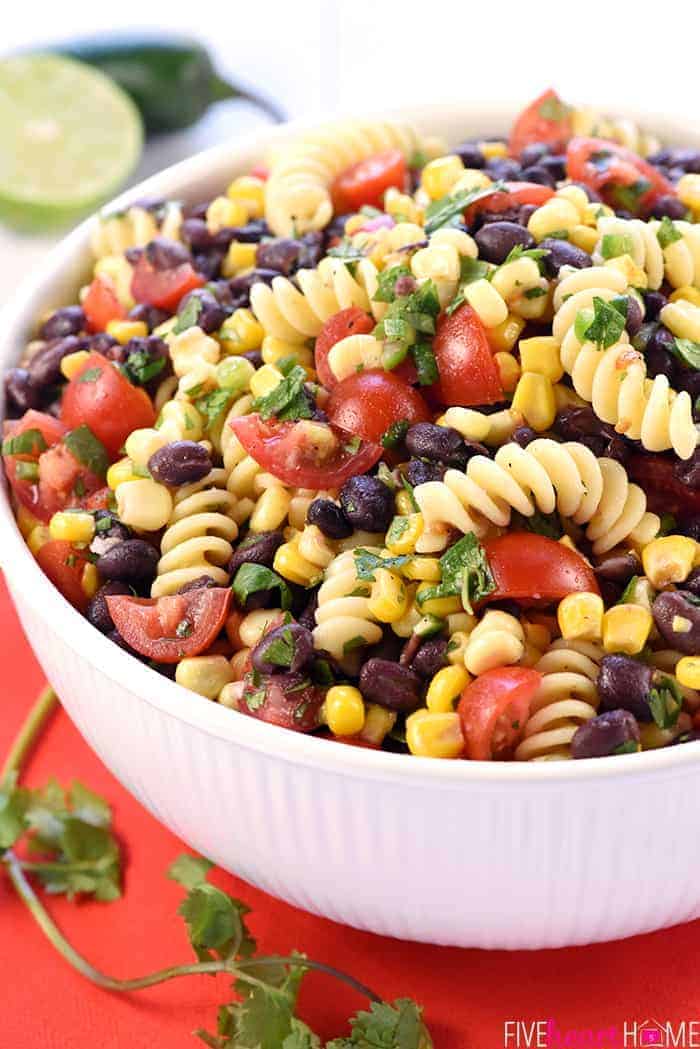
[27,580]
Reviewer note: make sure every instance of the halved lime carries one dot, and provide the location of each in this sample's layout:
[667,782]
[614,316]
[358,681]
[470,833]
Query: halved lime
[69,137]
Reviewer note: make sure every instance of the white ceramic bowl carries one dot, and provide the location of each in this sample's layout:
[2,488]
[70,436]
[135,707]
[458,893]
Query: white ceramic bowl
[465,853]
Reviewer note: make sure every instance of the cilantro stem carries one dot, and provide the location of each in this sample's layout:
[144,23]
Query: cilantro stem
[307,963]
[35,721]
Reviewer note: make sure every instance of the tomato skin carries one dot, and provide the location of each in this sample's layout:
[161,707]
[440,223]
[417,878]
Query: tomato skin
[366,182]
[101,305]
[352,321]
[149,625]
[98,500]
[29,492]
[493,710]
[106,402]
[280,449]
[514,195]
[623,169]
[665,492]
[531,126]
[368,403]
[532,568]
[64,565]
[163,288]
[468,371]
[284,704]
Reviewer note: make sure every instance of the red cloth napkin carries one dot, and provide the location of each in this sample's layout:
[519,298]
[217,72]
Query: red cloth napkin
[468,995]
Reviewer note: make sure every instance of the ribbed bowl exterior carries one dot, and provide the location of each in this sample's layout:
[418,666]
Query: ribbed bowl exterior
[526,866]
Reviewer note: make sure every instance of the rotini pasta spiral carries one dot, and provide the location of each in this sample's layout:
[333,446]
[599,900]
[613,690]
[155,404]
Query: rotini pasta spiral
[198,538]
[587,121]
[343,618]
[566,698]
[546,476]
[614,381]
[114,234]
[498,640]
[297,192]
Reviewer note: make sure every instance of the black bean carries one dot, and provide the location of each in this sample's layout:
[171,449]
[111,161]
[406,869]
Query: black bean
[390,647]
[45,366]
[97,611]
[151,316]
[329,517]
[582,424]
[688,471]
[533,154]
[618,568]
[524,435]
[254,356]
[514,214]
[196,233]
[562,253]
[555,165]
[634,318]
[497,239]
[525,213]
[285,650]
[281,254]
[107,345]
[692,583]
[310,251]
[307,617]
[625,683]
[420,471]
[211,313]
[539,174]
[69,320]
[654,302]
[605,735]
[657,352]
[258,548]
[178,463]
[20,391]
[109,531]
[202,582]
[208,264]
[428,441]
[131,561]
[661,158]
[430,657]
[252,232]
[688,159]
[368,503]
[390,685]
[678,621]
[166,254]
[471,155]
[504,168]
[668,205]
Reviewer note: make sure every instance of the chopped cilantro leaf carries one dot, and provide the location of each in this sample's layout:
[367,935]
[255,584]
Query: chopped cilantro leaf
[188,315]
[91,375]
[366,563]
[30,442]
[608,321]
[212,405]
[280,650]
[288,400]
[615,244]
[251,578]
[86,448]
[665,702]
[448,210]
[688,352]
[426,365]
[140,367]
[668,232]
[392,437]
[465,571]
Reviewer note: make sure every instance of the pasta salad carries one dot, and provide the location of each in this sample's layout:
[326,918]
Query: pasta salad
[392,443]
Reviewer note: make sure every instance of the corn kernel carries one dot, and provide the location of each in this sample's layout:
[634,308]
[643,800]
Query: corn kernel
[634,274]
[378,722]
[687,292]
[72,363]
[486,302]
[540,354]
[688,190]
[144,504]
[508,370]
[437,606]
[389,598]
[37,538]
[78,527]
[241,332]
[439,176]
[274,350]
[492,150]
[434,735]
[122,331]
[424,569]
[140,445]
[90,581]
[668,559]
[404,504]
[239,257]
[534,400]
[626,629]
[688,671]
[207,675]
[472,178]
[265,380]
[584,237]
[344,709]
[404,533]
[223,212]
[289,563]
[503,336]
[119,472]
[445,688]
[580,616]
[230,694]
[249,191]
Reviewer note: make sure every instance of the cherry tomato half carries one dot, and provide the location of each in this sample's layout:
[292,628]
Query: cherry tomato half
[27,488]
[366,182]
[513,196]
[163,288]
[102,398]
[532,568]
[352,321]
[368,403]
[611,170]
[494,709]
[170,628]
[288,450]
[101,305]
[546,120]
[468,371]
[64,565]
[290,701]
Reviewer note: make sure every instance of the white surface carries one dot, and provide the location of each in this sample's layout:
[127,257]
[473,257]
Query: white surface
[469,853]
[319,55]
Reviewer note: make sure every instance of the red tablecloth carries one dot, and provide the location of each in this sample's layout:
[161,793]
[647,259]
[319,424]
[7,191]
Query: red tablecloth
[468,994]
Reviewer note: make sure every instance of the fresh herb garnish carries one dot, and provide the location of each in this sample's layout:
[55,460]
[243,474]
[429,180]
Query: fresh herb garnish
[668,232]
[184,628]
[213,405]
[613,245]
[408,488]
[464,571]
[393,437]
[665,702]
[629,197]
[687,351]
[366,563]
[26,471]
[91,375]
[347,251]
[251,578]
[448,210]
[470,270]
[280,650]
[188,315]
[426,365]
[608,322]
[30,442]
[535,293]
[548,525]
[140,367]
[519,252]
[354,642]
[86,448]
[630,746]
[288,400]
[398,527]
[386,283]
[627,595]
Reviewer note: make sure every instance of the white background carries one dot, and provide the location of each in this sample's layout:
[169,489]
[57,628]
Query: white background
[319,55]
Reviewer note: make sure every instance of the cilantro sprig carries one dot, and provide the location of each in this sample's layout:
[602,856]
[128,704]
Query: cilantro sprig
[447,210]
[465,571]
[289,399]
[605,324]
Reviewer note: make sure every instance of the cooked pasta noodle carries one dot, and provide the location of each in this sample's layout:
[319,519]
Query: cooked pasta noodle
[134,228]
[343,619]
